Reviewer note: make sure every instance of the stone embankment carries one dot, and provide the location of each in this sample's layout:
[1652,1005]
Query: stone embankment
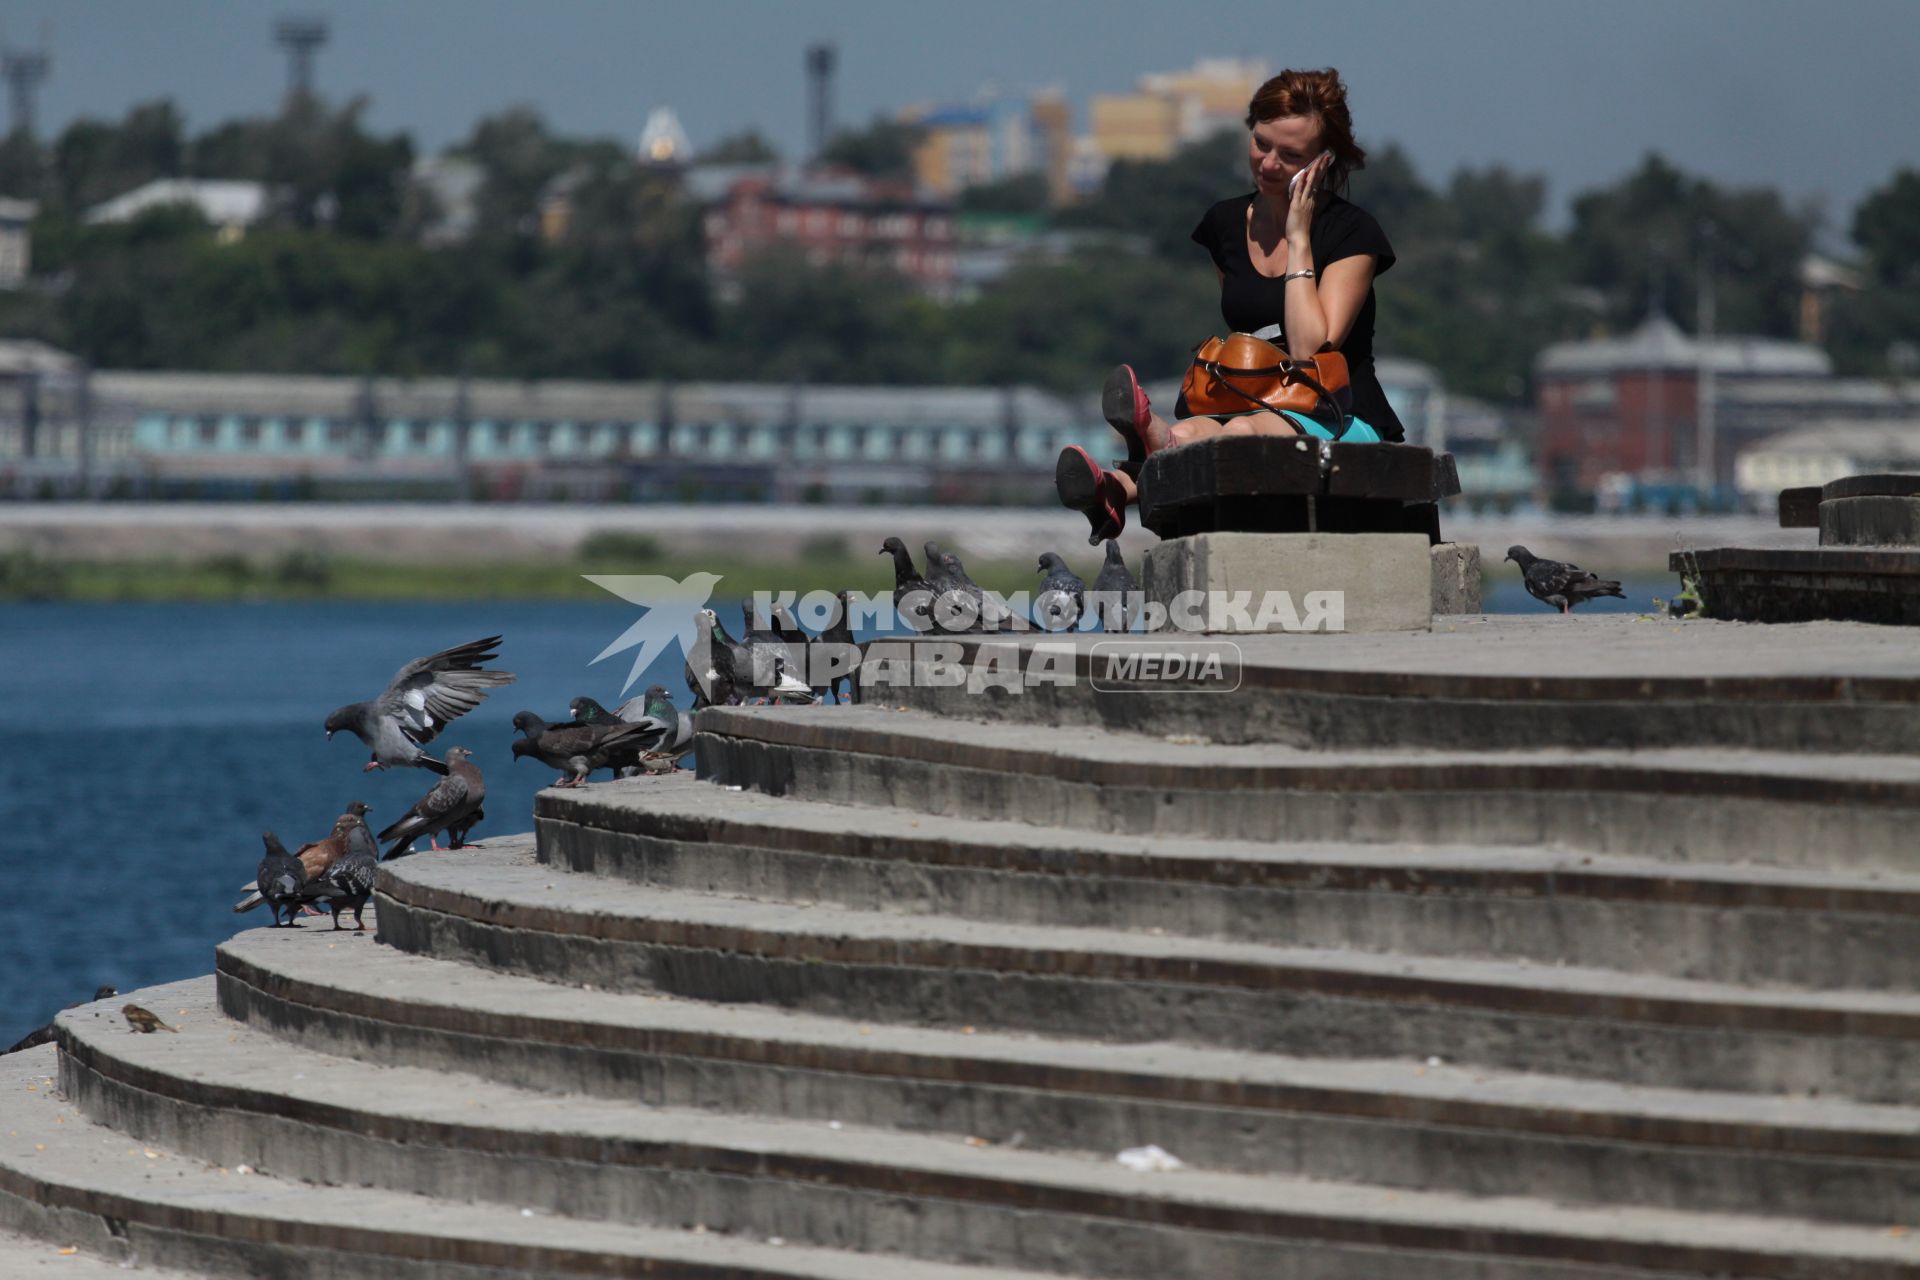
[1560,948]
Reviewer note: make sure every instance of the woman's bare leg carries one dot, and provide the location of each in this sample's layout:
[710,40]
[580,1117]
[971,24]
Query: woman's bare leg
[1188,430]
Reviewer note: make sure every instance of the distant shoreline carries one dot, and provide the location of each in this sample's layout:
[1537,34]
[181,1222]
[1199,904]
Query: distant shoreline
[325,551]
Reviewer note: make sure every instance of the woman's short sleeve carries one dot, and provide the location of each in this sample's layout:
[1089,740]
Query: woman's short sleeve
[1207,236]
[1353,232]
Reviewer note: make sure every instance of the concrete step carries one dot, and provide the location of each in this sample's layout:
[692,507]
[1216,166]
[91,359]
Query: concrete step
[1776,808]
[221,1093]
[64,1178]
[1726,923]
[26,1258]
[500,908]
[1394,1123]
[1478,684]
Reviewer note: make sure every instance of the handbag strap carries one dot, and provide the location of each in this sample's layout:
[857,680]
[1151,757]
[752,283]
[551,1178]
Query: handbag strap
[1291,368]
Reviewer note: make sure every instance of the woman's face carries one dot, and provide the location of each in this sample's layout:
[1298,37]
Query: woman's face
[1279,148]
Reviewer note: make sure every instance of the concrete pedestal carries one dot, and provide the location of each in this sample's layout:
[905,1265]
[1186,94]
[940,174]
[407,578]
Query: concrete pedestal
[1256,582]
[1456,577]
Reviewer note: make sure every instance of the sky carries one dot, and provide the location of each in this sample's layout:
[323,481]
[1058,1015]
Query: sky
[1812,97]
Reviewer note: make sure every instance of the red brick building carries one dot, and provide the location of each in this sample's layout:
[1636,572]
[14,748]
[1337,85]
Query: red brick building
[833,217]
[1631,405]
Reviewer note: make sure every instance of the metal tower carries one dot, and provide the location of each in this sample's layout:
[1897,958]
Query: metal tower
[24,69]
[820,60]
[301,37]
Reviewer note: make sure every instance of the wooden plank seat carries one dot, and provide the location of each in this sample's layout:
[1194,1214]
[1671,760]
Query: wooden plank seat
[1269,484]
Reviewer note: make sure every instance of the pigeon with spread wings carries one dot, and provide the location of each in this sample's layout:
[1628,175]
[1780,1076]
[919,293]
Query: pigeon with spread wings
[422,697]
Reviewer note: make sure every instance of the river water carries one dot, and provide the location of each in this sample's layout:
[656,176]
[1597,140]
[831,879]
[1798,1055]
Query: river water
[149,745]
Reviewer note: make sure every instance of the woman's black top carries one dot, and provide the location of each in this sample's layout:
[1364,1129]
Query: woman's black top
[1251,302]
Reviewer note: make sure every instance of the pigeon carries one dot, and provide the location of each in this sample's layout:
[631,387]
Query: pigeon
[800,644]
[145,1021]
[912,594]
[317,856]
[577,749]
[44,1035]
[417,704]
[1115,591]
[837,636]
[710,666]
[283,882]
[956,595]
[669,732]
[452,799]
[764,664]
[1561,585]
[1062,598]
[353,875]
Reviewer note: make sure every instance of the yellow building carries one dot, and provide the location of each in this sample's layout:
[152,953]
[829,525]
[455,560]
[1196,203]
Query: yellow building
[1173,108]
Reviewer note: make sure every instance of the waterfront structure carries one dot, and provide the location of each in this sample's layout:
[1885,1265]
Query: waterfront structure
[172,432]
[1390,961]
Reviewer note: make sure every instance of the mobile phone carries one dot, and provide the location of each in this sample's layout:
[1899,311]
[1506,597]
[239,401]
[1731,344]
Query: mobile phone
[1295,180]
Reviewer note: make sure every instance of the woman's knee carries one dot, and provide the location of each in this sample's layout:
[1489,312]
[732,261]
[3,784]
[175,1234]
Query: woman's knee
[1263,424]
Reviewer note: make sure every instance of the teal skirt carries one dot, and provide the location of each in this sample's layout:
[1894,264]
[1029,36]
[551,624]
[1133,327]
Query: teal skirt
[1359,430]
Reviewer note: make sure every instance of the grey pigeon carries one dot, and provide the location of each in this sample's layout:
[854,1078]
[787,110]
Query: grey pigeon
[913,595]
[799,643]
[451,801]
[956,596]
[353,875]
[766,665]
[316,857]
[1062,598]
[840,646]
[576,749]
[668,732]
[44,1035]
[1561,585]
[417,704]
[710,666]
[283,883]
[1115,592]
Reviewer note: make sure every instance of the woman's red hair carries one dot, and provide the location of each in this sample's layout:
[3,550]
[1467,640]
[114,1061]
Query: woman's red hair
[1313,93]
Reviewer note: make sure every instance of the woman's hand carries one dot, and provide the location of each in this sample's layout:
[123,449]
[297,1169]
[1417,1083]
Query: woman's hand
[1300,207]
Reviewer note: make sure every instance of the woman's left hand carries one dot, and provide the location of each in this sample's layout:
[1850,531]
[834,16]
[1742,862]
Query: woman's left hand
[1300,207]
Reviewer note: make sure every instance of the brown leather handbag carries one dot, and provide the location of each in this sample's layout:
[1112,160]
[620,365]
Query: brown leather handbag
[1244,374]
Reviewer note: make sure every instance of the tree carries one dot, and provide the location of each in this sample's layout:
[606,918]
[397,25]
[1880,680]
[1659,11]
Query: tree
[749,146]
[1646,233]
[1887,227]
[1161,200]
[1017,193]
[884,149]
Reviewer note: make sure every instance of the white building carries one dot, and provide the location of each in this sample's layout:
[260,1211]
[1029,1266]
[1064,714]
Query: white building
[16,241]
[1826,451]
[230,206]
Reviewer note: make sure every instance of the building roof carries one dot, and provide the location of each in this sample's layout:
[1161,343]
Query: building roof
[224,203]
[1659,343]
[1894,441]
[20,356]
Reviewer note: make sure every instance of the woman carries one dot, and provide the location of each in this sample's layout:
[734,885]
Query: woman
[1296,264]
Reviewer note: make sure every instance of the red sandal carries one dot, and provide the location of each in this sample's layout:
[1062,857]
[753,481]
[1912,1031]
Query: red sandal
[1126,408]
[1095,493]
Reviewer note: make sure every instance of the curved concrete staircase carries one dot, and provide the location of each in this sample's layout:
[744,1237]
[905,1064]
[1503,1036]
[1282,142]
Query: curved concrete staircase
[883,992]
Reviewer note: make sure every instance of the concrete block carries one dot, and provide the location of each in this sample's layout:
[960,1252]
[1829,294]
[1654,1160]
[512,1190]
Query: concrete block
[1456,577]
[1870,522]
[1383,581]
